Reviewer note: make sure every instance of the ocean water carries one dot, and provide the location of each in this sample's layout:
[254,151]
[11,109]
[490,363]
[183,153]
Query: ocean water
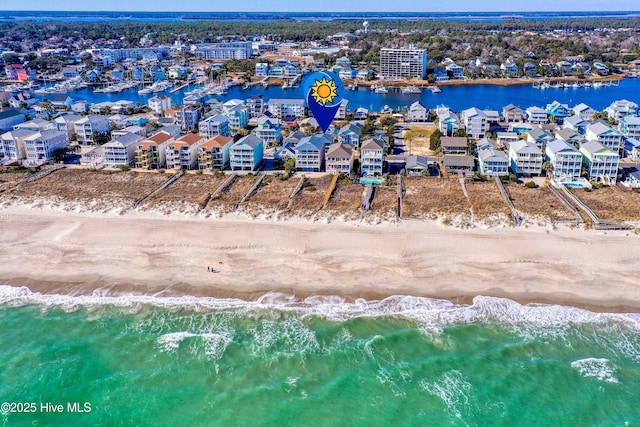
[280,361]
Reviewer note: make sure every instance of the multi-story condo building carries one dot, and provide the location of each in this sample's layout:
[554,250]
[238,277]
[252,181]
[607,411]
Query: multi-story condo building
[234,50]
[602,162]
[310,153]
[605,134]
[40,146]
[214,125]
[371,157]
[525,158]
[121,151]
[214,152]
[88,126]
[246,154]
[182,153]
[238,116]
[403,63]
[565,159]
[286,108]
[151,153]
[255,104]
[474,122]
[513,113]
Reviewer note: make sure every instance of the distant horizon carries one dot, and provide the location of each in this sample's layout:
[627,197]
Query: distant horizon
[324,6]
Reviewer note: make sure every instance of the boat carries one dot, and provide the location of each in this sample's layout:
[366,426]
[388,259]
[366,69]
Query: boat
[381,89]
[410,89]
[435,89]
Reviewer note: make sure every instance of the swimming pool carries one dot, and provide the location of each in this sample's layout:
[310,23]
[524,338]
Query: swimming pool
[371,181]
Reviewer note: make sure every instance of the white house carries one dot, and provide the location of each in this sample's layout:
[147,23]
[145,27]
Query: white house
[583,111]
[576,123]
[214,125]
[418,112]
[565,159]
[493,162]
[341,114]
[513,113]
[158,104]
[602,162]
[67,123]
[536,115]
[12,147]
[182,153]
[371,157]
[286,108]
[605,134]
[505,139]
[121,151]
[475,122]
[448,121]
[619,109]
[40,146]
[87,126]
[525,158]
[630,127]
[247,153]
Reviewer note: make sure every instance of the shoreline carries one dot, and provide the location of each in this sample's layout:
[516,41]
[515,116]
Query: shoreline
[153,254]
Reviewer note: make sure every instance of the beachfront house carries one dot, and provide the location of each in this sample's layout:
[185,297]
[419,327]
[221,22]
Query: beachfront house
[416,165]
[247,153]
[630,127]
[448,121]
[182,153]
[40,146]
[536,115]
[583,111]
[456,163]
[418,112]
[565,159]
[454,144]
[605,134]
[88,126]
[285,151]
[214,125]
[621,108]
[557,112]
[310,153]
[525,158]
[474,122]
[350,134]
[151,153]
[371,157]
[339,158]
[602,163]
[269,130]
[492,162]
[512,113]
[121,151]
[12,147]
[214,152]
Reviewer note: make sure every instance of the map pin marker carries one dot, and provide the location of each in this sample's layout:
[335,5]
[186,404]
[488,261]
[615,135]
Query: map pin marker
[324,94]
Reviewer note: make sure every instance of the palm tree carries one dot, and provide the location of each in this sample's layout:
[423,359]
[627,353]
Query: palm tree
[547,167]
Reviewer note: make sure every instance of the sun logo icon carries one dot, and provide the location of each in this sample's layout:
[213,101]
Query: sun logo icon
[323,91]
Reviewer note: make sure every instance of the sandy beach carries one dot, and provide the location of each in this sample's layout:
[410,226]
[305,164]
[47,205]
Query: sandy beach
[69,252]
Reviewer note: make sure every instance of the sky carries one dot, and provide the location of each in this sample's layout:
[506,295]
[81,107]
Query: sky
[323,5]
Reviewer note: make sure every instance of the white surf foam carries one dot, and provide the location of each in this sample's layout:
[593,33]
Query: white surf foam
[431,315]
[601,369]
[455,392]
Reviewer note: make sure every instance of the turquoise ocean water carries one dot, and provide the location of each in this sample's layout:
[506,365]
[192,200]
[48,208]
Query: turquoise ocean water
[280,361]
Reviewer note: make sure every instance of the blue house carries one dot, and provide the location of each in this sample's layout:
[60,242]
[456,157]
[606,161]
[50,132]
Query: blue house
[558,111]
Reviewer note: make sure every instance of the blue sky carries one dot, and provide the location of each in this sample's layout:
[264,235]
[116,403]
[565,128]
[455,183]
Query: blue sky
[325,5]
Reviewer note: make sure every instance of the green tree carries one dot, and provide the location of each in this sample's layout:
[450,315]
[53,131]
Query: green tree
[290,166]
[435,142]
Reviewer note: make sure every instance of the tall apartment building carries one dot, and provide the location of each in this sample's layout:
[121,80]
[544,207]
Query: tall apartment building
[408,63]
